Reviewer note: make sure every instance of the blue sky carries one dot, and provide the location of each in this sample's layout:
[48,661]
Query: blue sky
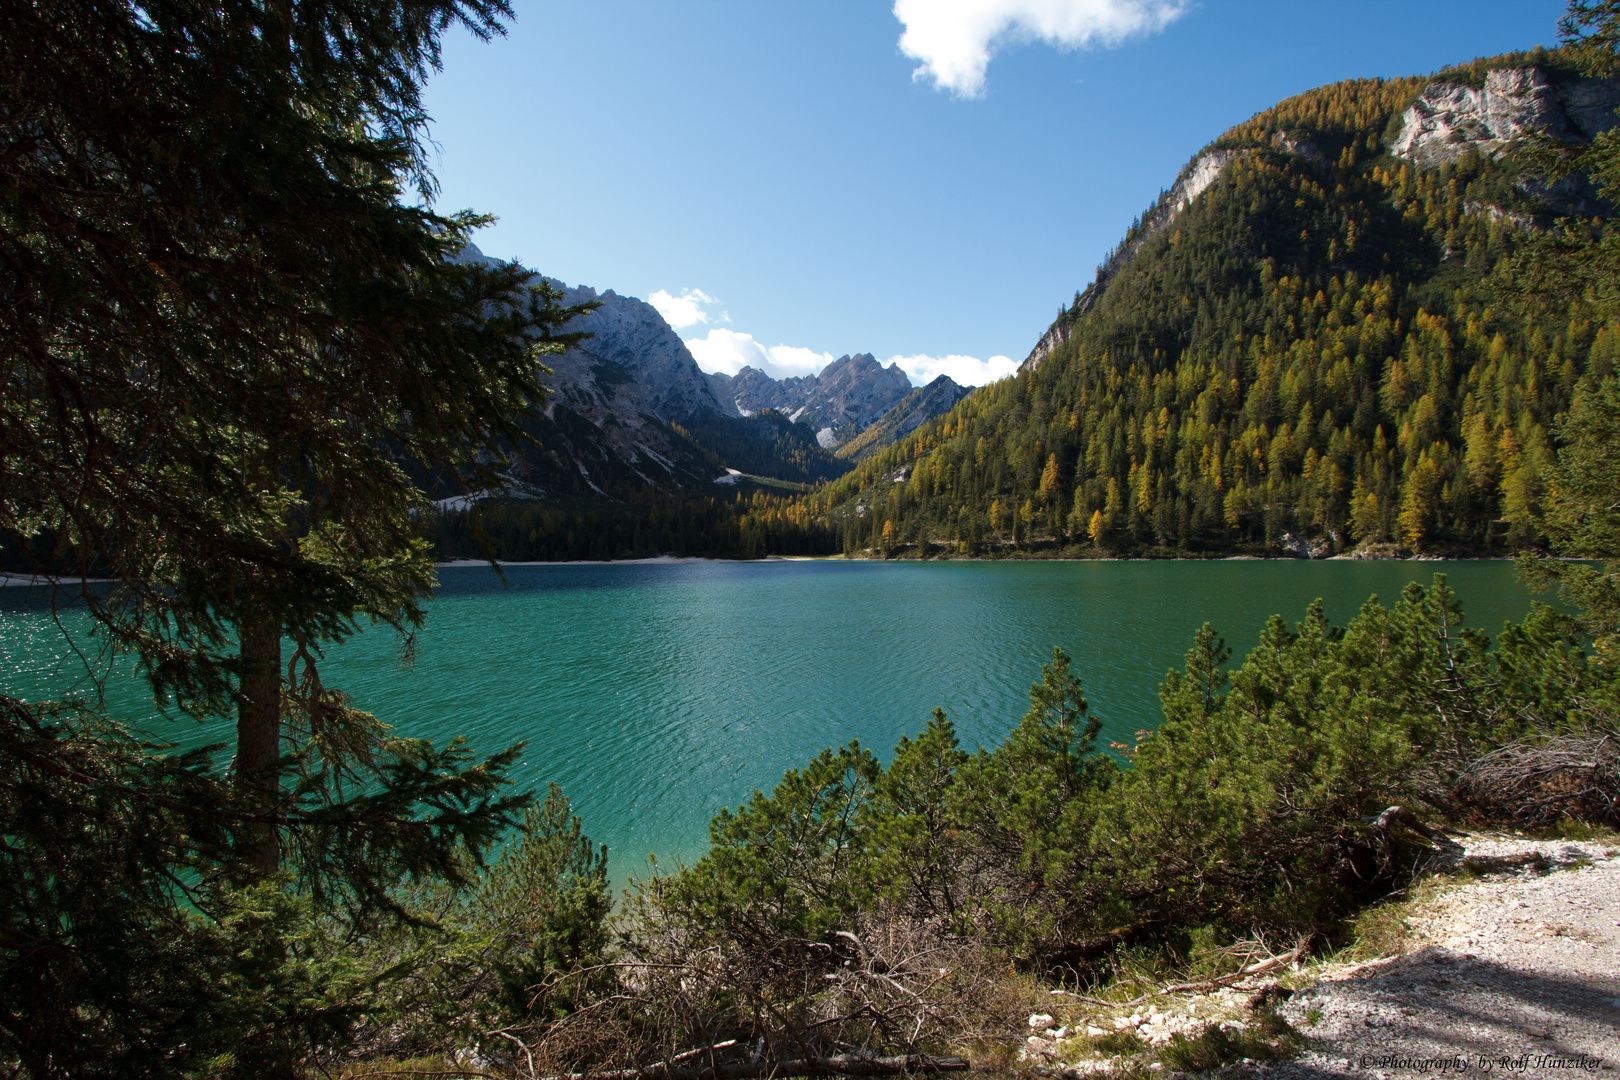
[777,169]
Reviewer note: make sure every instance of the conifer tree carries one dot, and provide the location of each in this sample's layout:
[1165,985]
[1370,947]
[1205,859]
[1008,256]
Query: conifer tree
[228,332]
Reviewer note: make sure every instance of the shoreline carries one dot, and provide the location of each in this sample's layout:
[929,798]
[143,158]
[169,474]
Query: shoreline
[673,560]
[23,581]
[655,560]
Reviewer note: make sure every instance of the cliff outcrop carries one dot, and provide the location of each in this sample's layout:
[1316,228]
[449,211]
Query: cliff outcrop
[1449,120]
[630,333]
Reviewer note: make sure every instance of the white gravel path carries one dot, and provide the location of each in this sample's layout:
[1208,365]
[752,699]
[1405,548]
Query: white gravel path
[1514,974]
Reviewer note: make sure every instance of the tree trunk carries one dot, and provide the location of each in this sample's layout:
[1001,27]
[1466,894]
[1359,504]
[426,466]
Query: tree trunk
[258,739]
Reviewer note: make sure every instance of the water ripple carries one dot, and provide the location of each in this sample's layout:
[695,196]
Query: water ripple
[656,694]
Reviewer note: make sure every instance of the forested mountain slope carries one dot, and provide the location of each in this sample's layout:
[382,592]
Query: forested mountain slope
[1315,339]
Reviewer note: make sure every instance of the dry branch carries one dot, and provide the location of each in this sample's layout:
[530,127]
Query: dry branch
[840,1065]
[1260,967]
[1537,781]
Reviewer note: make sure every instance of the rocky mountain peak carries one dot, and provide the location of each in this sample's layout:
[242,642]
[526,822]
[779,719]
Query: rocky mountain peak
[846,398]
[615,395]
[862,375]
[629,332]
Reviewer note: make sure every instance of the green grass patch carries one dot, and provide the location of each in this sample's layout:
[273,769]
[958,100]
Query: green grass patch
[1576,829]
[1385,929]
[1269,1039]
[1114,1043]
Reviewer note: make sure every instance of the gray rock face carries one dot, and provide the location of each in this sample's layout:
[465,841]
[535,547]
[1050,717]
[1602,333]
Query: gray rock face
[751,390]
[1195,181]
[849,395]
[912,412]
[1448,120]
[624,421]
[1300,148]
[720,383]
[927,402]
[1055,335]
[611,399]
[614,396]
[630,333]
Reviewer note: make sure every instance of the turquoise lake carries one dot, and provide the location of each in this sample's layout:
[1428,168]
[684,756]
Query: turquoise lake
[657,693]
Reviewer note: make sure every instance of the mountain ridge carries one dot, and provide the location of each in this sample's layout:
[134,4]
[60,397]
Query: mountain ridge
[1443,123]
[842,401]
[1311,341]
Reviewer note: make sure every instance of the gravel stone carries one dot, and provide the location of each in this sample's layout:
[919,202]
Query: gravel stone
[1514,974]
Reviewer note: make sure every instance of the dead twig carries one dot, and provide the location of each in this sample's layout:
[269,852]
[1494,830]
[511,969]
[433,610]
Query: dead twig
[839,1065]
[1258,968]
[525,1046]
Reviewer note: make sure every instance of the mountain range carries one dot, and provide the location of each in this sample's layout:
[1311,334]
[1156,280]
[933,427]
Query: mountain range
[852,396]
[629,410]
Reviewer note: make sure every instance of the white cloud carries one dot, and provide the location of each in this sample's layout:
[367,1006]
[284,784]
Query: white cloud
[786,360]
[966,370]
[954,39]
[728,351]
[688,309]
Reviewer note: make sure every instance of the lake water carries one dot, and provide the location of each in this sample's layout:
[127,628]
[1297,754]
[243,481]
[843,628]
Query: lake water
[657,693]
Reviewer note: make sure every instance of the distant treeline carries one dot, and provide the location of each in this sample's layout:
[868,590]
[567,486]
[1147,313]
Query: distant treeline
[730,526]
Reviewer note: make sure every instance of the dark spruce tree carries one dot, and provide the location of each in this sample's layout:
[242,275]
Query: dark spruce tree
[225,330]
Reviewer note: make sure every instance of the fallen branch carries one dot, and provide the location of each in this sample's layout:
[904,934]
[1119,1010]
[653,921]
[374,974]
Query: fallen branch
[525,1047]
[428,1074]
[690,1054]
[841,1065]
[1257,968]
[1394,815]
